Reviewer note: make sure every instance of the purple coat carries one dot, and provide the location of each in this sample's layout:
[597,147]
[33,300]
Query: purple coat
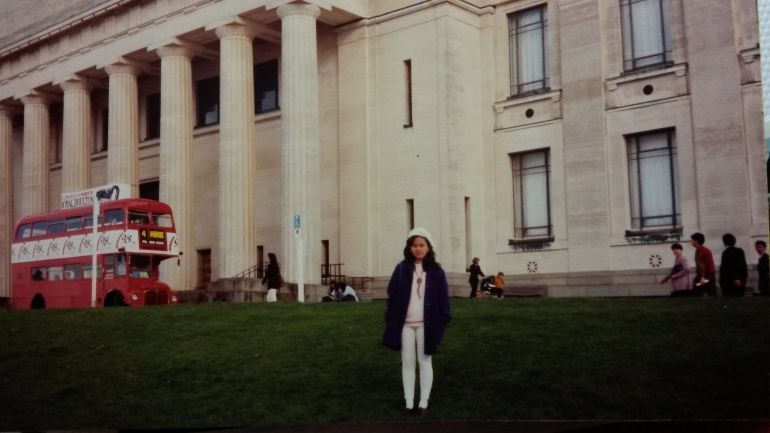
[436,307]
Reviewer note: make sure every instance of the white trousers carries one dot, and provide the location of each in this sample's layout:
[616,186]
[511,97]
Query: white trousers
[412,353]
[272,295]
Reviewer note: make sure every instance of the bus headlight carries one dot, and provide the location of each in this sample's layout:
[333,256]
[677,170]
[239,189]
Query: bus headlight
[173,298]
[134,297]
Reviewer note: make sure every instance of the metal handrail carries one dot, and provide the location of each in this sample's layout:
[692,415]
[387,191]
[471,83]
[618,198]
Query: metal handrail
[256,271]
[332,272]
[329,272]
[360,285]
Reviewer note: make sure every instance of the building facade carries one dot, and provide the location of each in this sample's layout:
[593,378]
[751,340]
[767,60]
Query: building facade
[566,143]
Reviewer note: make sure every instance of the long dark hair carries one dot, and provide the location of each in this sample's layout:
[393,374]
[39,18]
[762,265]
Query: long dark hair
[428,263]
[273,260]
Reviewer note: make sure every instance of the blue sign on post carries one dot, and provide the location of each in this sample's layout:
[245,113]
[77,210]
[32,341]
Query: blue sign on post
[296,222]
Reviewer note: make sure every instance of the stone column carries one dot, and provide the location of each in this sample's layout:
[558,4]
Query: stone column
[6,200]
[35,161]
[300,153]
[176,159]
[123,129]
[76,145]
[237,243]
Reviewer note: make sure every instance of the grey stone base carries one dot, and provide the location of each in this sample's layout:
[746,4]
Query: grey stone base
[252,290]
[633,283]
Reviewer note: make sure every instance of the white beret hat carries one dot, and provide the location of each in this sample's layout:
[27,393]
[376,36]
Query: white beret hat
[419,231]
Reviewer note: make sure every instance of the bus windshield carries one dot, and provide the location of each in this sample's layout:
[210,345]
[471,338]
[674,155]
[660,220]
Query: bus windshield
[141,266]
[162,219]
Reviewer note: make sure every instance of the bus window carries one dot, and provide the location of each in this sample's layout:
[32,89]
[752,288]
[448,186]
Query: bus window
[108,264]
[87,270]
[73,272]
[140,266]
[37,274]
[88,220]
[55,273]
[75,223]
[120,265]
[114,217]
[138,217]
[25,231]
[40,229]
[55,226]
[163,220]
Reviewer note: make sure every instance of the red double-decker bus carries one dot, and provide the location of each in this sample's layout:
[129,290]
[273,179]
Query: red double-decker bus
[52,256]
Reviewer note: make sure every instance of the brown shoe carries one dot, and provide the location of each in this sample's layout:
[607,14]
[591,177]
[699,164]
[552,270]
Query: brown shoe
[422,411]
[407,411]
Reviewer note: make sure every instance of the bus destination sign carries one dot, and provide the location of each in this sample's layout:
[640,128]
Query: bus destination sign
[152,237]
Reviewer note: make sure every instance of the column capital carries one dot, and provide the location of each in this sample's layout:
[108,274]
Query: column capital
[176,51]
[76,82]
[261,31]
[122,69]
[36,97]
[121,64]
[235,29]
[300,9]
[76,85]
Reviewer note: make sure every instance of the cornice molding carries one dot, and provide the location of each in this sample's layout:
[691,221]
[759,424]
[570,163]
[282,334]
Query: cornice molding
[487,10]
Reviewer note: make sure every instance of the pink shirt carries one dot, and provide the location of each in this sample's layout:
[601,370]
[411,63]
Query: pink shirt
[415,312]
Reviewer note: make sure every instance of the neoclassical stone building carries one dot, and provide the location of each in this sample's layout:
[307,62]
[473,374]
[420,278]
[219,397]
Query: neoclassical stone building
[567,143]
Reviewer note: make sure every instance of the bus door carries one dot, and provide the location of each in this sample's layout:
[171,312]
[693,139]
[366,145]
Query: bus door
[115,268]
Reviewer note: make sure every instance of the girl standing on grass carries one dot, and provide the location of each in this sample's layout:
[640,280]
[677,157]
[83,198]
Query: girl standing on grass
[416,315]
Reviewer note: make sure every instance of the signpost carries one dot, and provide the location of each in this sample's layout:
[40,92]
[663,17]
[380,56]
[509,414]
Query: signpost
[94,224]
[300,267]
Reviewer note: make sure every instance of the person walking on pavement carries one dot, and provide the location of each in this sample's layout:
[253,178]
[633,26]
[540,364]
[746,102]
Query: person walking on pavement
[733,271]
[763,268]
[273,278]
[680,274]
[417,313]
[475,271]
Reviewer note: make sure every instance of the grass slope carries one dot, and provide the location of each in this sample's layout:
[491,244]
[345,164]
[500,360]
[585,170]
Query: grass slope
[259,364]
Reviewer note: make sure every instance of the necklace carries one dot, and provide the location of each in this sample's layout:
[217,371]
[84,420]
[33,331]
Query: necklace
[419,281]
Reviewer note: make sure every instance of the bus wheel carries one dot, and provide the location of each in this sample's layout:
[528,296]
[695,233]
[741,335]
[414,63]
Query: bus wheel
[38,303]
[114,299]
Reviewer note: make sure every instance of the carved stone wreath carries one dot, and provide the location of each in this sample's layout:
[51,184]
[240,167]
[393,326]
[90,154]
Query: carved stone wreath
[532,267]
[655,261]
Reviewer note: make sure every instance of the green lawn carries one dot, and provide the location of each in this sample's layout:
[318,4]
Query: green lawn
[258,364]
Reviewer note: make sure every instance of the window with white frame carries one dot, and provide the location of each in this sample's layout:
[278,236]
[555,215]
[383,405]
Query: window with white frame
[646,33]
[653,180]
[532,194]
[528,35]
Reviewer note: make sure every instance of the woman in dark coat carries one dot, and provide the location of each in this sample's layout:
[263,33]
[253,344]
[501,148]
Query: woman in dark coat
[417,314]
[475,271]
[273,278]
